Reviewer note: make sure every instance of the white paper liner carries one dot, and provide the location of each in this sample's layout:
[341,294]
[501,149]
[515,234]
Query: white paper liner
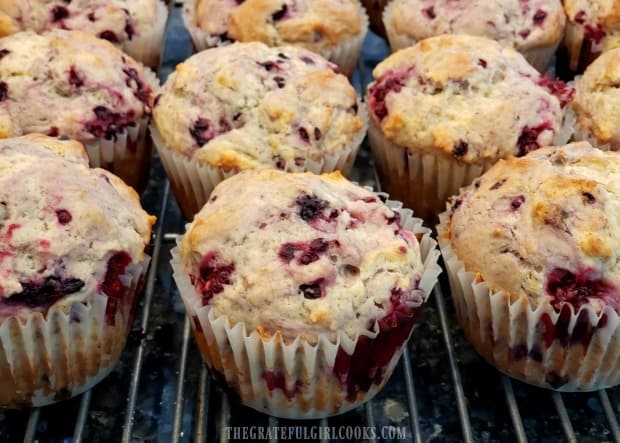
[494,325]
[192,181]
[147,46]
[242,358]
[45,359]
[539,57]
[573,131]
[129,155]
[345,55]
[422,181]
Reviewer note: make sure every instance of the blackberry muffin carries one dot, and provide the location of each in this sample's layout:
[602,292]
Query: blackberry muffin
[334,29]
[445,110]
[248,105]
[302,289]
[71,83]
[595,111]
[71,260]
[551,219]
[593,27]
[135,26]
[533,27]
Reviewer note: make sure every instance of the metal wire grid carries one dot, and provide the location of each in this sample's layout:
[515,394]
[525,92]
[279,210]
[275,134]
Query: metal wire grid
[206,417]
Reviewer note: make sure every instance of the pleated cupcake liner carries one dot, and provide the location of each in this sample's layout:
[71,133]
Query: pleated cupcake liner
[295,378]
[146,47]
[128,155]
[46,358]
[193,181]
[567,351]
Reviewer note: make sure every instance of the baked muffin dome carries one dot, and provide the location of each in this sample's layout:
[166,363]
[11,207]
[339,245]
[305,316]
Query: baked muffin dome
[550,218]
[64,226]
[531,251]
[136,26]
[249,105]
[525,26]
[327,27]
[69,83]
[467,97]
[596,105]
[333,255]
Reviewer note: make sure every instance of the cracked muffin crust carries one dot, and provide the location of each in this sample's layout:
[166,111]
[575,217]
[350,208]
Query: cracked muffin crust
[69,83]
[72,266]
[443,111]
[528,26]
[322,26]
[596,105]
[247,106]
[551,219]
[314,284]
[66,229]
[136,26]
[332,252]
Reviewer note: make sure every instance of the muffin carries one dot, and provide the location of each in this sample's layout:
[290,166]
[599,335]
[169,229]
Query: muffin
[334,29]
[551,219]
[135,26]
[375,8]
[595,111]
[72,263]
[535,28]
[445,110]
[71,83]
[247,106]
[593,27]
[303,289]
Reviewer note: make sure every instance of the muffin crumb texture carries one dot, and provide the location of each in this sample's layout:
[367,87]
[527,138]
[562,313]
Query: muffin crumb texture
[69,83]
[66,230]
[551,218]
[250,106]
[302,255]
[466,96]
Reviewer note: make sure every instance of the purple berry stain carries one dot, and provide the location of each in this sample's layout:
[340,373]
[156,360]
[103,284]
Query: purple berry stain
[109,123]
[112,285]
[74,78]
[4,91]
[557,87]
[109,36]
[564,286]
[59,13]
[460,149]
[516,202]
[528,139]
[310,251]
[310,206]
[276,380]
[135,82]
[43,294]
[4,53]
[313,290]
[213,275]
[366,366]
[303,134]
[280,13]
[63,216]
[386,84]
[430,12]
[539,17]
[202,131]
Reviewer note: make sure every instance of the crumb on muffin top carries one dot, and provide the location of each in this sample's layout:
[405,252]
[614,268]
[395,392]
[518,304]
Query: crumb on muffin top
[66,229]
[318,25]
[248,105]
[69,83]
[551,218]
[518,23]
[301,254]
[466,96]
